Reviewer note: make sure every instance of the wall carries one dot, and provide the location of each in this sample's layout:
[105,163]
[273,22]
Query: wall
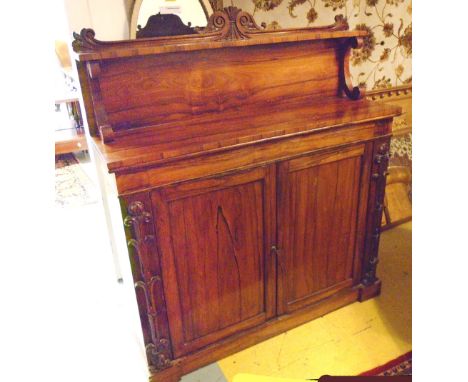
[385,59]
[108,18]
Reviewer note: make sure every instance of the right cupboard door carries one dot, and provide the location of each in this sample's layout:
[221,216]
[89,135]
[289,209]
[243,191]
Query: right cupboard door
[321,219]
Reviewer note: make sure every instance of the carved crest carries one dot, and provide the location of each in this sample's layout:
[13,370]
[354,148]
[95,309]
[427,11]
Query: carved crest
[226,24]
[232,24]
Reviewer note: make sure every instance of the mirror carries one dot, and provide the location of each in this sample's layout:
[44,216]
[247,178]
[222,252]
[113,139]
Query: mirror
[195,12]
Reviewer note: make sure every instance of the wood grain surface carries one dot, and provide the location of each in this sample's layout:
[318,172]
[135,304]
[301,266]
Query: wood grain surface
[251,175]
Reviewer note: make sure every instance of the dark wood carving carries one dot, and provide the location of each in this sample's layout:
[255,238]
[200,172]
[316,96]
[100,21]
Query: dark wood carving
[378,179]
[346,86]
[148,284]
[231,24]
[85,40]
[164,25]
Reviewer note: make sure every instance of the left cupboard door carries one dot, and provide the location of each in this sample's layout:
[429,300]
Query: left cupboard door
[215,237]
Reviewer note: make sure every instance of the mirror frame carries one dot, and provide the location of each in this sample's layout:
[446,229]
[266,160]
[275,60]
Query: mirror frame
[208,6]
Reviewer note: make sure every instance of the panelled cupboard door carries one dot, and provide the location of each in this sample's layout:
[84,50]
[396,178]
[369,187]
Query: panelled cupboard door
[319,240]
[215,236]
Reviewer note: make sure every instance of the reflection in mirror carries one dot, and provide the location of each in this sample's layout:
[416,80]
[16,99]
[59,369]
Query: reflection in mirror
[193,13]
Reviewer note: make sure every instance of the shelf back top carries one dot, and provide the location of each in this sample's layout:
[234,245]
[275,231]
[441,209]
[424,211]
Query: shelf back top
[230,27]
[230,65]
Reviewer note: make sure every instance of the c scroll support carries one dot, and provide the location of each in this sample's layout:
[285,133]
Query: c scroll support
[346,87]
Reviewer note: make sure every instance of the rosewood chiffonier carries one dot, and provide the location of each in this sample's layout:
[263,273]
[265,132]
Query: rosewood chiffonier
[251,177]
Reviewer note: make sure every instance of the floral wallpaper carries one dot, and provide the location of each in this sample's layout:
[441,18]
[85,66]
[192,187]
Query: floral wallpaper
[384,60]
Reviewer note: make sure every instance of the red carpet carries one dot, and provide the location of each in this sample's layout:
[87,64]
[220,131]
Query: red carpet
[399,366]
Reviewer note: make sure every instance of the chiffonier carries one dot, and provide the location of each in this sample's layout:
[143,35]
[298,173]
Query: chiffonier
[251,177]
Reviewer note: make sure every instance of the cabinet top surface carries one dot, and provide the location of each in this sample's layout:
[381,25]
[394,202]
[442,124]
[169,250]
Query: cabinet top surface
[166,142]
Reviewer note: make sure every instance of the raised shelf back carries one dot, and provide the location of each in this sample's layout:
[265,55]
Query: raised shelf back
[230,65]
[155,89]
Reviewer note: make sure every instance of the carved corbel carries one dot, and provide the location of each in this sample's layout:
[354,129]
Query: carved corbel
[345,84]
[148,284]
[378,179]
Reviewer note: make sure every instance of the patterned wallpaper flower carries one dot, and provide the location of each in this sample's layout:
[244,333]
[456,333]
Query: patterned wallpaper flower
[385,58]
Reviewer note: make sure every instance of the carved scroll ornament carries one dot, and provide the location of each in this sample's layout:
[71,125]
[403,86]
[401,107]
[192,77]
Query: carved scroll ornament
[85,40]
[231,23]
